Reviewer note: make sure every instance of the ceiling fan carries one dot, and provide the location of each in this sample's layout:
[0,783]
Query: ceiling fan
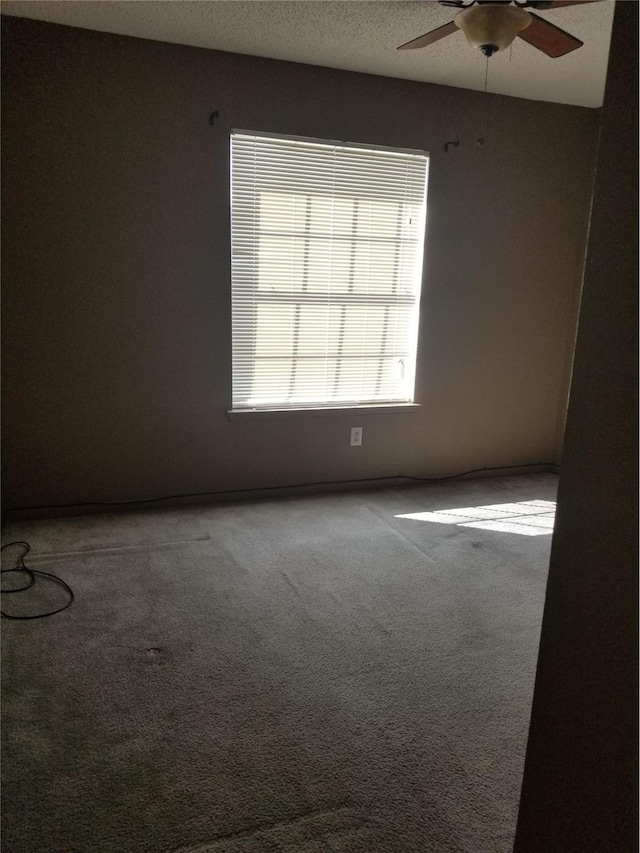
[492,25]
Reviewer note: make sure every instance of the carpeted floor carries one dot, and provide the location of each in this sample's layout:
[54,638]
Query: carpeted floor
[305,675]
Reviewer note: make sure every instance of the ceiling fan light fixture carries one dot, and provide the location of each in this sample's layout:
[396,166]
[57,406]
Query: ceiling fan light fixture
[491,27]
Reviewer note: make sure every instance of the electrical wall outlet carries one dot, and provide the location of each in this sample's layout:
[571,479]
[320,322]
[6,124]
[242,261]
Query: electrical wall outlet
[356,436]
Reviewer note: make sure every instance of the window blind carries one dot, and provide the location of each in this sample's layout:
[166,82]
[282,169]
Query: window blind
[327,243]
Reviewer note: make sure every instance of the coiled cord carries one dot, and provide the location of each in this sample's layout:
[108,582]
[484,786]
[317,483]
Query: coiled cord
[31,575]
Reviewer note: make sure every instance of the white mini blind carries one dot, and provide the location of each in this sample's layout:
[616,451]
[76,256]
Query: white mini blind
[327,244]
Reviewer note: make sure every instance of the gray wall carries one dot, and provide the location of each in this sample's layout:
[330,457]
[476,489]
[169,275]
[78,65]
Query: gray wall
[117,351]
[580,790]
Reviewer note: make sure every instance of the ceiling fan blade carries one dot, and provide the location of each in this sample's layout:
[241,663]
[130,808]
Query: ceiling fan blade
[429,38]
[548,38]
[558,4]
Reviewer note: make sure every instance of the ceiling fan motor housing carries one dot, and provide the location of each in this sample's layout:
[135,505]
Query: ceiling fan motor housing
[491,27]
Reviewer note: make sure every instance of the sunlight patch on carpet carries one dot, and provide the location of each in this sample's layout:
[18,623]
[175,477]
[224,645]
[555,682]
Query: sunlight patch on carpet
[527,518]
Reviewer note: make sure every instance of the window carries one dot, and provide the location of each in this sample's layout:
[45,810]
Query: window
[327,242]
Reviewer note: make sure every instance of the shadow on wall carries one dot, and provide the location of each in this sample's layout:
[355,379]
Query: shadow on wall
[528,518]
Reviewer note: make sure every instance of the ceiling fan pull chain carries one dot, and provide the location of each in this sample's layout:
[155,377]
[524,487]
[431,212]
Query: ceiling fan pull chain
[485,106]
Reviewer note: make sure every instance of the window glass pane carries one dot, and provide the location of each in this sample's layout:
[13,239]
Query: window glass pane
[275,330]
[328,263]
[330,215]
[282,212]
[379,219]
[270,381]
[316,322]
[281,262]
[375,267]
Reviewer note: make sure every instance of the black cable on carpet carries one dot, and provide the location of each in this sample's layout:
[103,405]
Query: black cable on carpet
[31,575]
[256,489]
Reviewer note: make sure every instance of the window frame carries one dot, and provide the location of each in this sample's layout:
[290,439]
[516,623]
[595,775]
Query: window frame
[328,407]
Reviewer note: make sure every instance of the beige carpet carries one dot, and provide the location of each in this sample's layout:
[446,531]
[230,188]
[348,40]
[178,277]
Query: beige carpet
[309,674]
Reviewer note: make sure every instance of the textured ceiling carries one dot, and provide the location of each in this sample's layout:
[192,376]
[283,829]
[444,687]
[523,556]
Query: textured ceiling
[357,36]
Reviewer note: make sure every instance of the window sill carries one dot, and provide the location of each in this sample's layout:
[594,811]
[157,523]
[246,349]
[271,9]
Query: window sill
[369,409]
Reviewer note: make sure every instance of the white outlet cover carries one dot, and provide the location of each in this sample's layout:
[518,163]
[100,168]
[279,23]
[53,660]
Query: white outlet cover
[356,436]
